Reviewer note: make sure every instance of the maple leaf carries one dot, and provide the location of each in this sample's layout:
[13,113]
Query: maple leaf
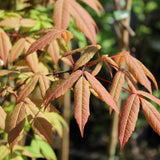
[16,124]
[40,124]
[138,72]
[95,5]
[61,14]
[101,91]
[5,46]
[83,21]
[53,51]
[149,96]
[97,68]
[28,88]
[152,115]
[128,119]
[44,40]
[86,56]
[117,84]
[3,116]
[62,87]
[33,62]
[16,50]
[44,84]
[81,103]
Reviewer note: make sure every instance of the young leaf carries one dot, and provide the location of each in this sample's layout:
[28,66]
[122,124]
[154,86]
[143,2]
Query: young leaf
[81,103]
[3,117]
[62,87]
[83,21]
[16,125]
[86,56]
[138,72]
[44,84]
[40,124]
[152,115]
[43,41]
[33,62]
[128,119]
[61,14]
[149,74]
[27,22]
[97,68]
[81,49]
[94,4]
[28,88]
[101,91]
[4,151]
[149,96]
[10,22]
[5,46]
[16,50]
[117,84]
[53,51]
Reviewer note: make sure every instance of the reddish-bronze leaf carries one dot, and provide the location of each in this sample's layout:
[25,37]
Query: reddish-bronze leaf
[16,124]
[149,74]
[5,46]
[16,50]
[43,41]
[149,96]
[63,87]
[81,49]
[3,117]
[138,72]
[53,51]
[40,124]
[10,22]
[44,84]
[97,68]
[61,14]
[128,119]
[83,21]
[120,57]
[28,88]
[86,56]
[131,84]
[32,60]
[94,4]
[27,22]
[151,114]
[81,103]
[101,91]
[4,72]
[67,36]
[117,84]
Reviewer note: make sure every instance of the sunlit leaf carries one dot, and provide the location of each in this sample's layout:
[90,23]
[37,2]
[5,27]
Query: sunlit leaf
[97,68]
[80,50]
[138,72]
[28,88]
[86,56]
[81,103]
[16,50]
[152,115]
[61,14]
[40,124]
[4,151]
[53,51]
[149,96]
[101,91]
[63,87]
[117,84]
[83,21]
[128,119]
[3,117]
[94,4]
[43,41]
[5,46]
[149,74]
[16,124]
[27,22]
[44,84]
[10,22]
